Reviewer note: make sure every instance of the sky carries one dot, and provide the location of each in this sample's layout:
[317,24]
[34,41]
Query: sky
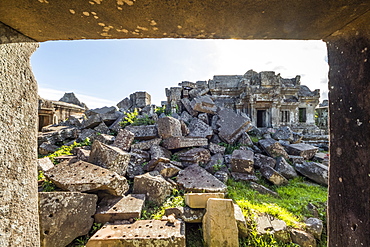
[103,72]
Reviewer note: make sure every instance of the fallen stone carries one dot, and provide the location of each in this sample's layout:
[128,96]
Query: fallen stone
[103,110]
[285,169]
[238,176]
[314,226]
[109,157]
[267,224]
[68,158]
[197,180]
[104,138]
[44,164]
[240,222]
[242,161]
[64,216]
[296,159]
[145,145]
[184,128]
[204,104]
[214,148]
[283,133]
[187,104]
[204,118]
[115,126]
[184,142]
[186,117]
[198,128]
[87,133]
[232,125]
[222,176]
[74,120]
[154,162]
[216,164]
[198,156]
[57,134]
[169,127]
[263,160]
[47,148]
[157,151]
[140,233]
[194,93]
[143,132]
[273,148]
[305,150]
[219,224]
[320,157]
[155,187]
[314,171]
[102,128]
[302,238]
[83,154]
[140,155]
[167,170]
[273,176]
[245,140]
[187,214]
[85,177]
[199,200]
[125,104]
[263,190]
[124,139]
[92,121]
[111,209]
[134,169]
[297,137]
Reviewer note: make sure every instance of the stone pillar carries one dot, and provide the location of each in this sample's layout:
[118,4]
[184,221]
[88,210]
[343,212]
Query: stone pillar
[275,113]
[349,109]
[19,221]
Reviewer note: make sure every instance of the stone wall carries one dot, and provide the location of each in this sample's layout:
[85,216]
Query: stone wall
[18,116]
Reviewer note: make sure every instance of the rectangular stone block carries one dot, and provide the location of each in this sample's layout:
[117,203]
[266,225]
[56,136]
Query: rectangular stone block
[143,132]
[242,161]
[140,233]
[184,142]
[199,200]
[169,127]
[305,150]
[145,145]
[273,148]
[111,209]
[124,139]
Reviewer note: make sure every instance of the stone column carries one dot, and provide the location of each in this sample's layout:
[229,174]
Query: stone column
[349,110]
[19,225]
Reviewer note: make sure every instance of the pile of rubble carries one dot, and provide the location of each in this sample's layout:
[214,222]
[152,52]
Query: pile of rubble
[125,167]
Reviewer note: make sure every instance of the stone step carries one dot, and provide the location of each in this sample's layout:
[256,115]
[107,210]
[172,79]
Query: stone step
[140,233]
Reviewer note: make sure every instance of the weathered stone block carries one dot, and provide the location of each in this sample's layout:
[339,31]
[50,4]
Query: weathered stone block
[145,145]
[155,187]
[154,162]
[263,160]
[314,171]
[187,214]
[273,148]
[215,164]
[187,104]
[140,233]
[47,148]
[232,125]
[184,142]
[195,156]
[83,154]
[157,151]
[240,222]
[242,161]
[64,216]
[167,170]
[111,209]
[267,224]
[195,179]
[314,226]
[44,164]
[219,224]
[169,127]
[305,150]
[85,177]
[238,176]
[262,189]
[214,148]
[143,132]
[283,133]
[273,176]
[104,138]
[285,169]
[204,104]
[199,200]
[296,159]
[302,238]
[109,157]
[102,128]
[198,128]
[124,139]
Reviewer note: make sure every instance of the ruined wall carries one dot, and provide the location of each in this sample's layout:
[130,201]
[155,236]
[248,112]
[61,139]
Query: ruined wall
[18,170]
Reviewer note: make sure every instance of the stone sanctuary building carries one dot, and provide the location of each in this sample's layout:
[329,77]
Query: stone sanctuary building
[268,99]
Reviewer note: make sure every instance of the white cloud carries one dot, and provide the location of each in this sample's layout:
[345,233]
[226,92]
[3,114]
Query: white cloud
[90,101]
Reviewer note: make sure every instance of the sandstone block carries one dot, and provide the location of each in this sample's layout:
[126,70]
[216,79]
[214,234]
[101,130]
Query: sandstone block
[242,161]
[199,200]
[305,150]
[145,145]
[187,214]
[143,132]
[302,238]
[184,142]
[283,133]
[240,222]
[273,176]
[285,169]
[198,128]
[102,128]
[262,189]
[85,177]
[155,187]
[214,148]
[204,104]
[169,127]
[314,171]
[64,216]
[314,226]
[232,125]
[104,138]
[195,179]
[296,159]
[127,207]
[187,104]
[154,162]
[215,164]
[83,154]
[157,151]
[167,170]
[195,156]
[44,164]
[219,224]
[238,176]
[124,139]
[273,148]
[267,224]
[47,148]
[109,157]
[263,160]
[140,233]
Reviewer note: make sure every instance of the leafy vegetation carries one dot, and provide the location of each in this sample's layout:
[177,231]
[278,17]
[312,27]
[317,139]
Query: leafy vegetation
[66,150]
[230,148]
[160,110]
[254,139]
[47,185]
[218,166]
[132,118]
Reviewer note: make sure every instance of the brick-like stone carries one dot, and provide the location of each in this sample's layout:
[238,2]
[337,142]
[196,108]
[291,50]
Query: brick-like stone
[302,238]
[195,156]
[184,142]
[285,169]
[197,180]
[263,160]
[214,148]
[273,148]
[140,233]
[199,200]
[145,145]
[197,128]
[65,216]
[124,139]
[143,132]
[169,127]
[305,150]
[111,209]
[219,223]
[187,214]
[44,164]
[155,187]
[273,176]
[314,171]
[85,177]
[204,104]
[242,161]
[167,170]
[232,125]
[109,157]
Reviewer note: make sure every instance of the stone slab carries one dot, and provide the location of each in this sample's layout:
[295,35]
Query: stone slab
[242,161]
[111,209]
[198,156]
[44,164]
[184,142]
[304,150]
[124,139]
[314,171]
[169,127]
[140,233]
[232,125]
[238,176]
[199,200]
[187,214]
[145,145]
[273,176]
[143,132]
[273,148]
